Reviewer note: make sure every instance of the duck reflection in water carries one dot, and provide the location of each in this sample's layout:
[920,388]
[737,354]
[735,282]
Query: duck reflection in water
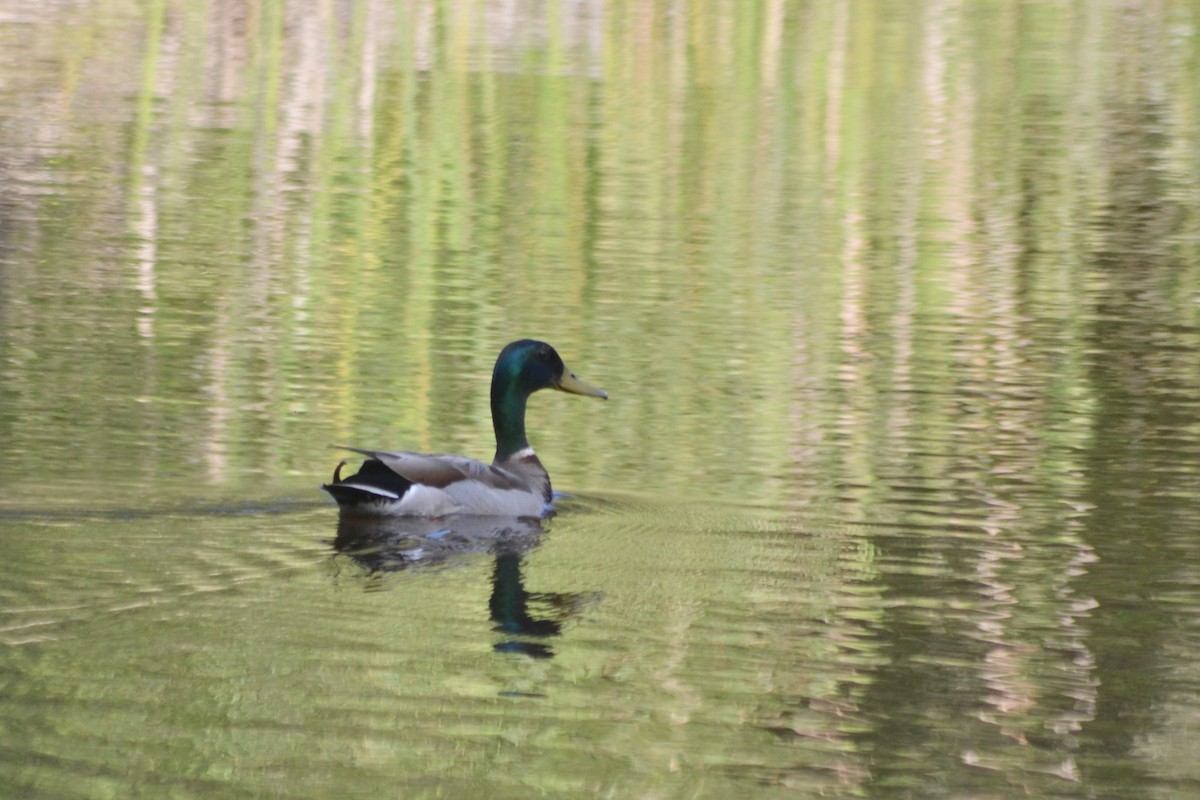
[391,544]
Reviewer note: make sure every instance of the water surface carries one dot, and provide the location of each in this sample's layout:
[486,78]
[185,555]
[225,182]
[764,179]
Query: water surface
[896,494]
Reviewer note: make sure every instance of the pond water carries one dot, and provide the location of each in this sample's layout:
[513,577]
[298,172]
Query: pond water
[896,494]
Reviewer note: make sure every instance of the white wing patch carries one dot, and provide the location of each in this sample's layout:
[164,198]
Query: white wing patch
[375,490]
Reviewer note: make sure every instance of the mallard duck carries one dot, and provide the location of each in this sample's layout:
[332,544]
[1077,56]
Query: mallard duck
[433,485]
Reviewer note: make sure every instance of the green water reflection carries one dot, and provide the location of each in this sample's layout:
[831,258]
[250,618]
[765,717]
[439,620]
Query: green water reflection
[898,306]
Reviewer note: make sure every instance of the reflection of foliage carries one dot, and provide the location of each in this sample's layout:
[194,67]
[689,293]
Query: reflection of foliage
[352,199]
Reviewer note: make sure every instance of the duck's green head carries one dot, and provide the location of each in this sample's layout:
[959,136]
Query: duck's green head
[528,365]
[523,368]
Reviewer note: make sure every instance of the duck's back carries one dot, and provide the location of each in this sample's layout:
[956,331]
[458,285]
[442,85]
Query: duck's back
[424,485]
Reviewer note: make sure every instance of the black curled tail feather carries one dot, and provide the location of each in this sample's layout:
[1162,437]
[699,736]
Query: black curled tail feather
[357,489]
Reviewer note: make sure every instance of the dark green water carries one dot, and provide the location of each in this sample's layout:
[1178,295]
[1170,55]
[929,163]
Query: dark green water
[897,493]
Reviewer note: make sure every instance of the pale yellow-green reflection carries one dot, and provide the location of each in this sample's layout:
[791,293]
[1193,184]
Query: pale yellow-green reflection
[374,197]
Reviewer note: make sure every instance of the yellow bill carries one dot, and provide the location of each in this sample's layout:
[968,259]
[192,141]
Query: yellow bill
[575,385]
